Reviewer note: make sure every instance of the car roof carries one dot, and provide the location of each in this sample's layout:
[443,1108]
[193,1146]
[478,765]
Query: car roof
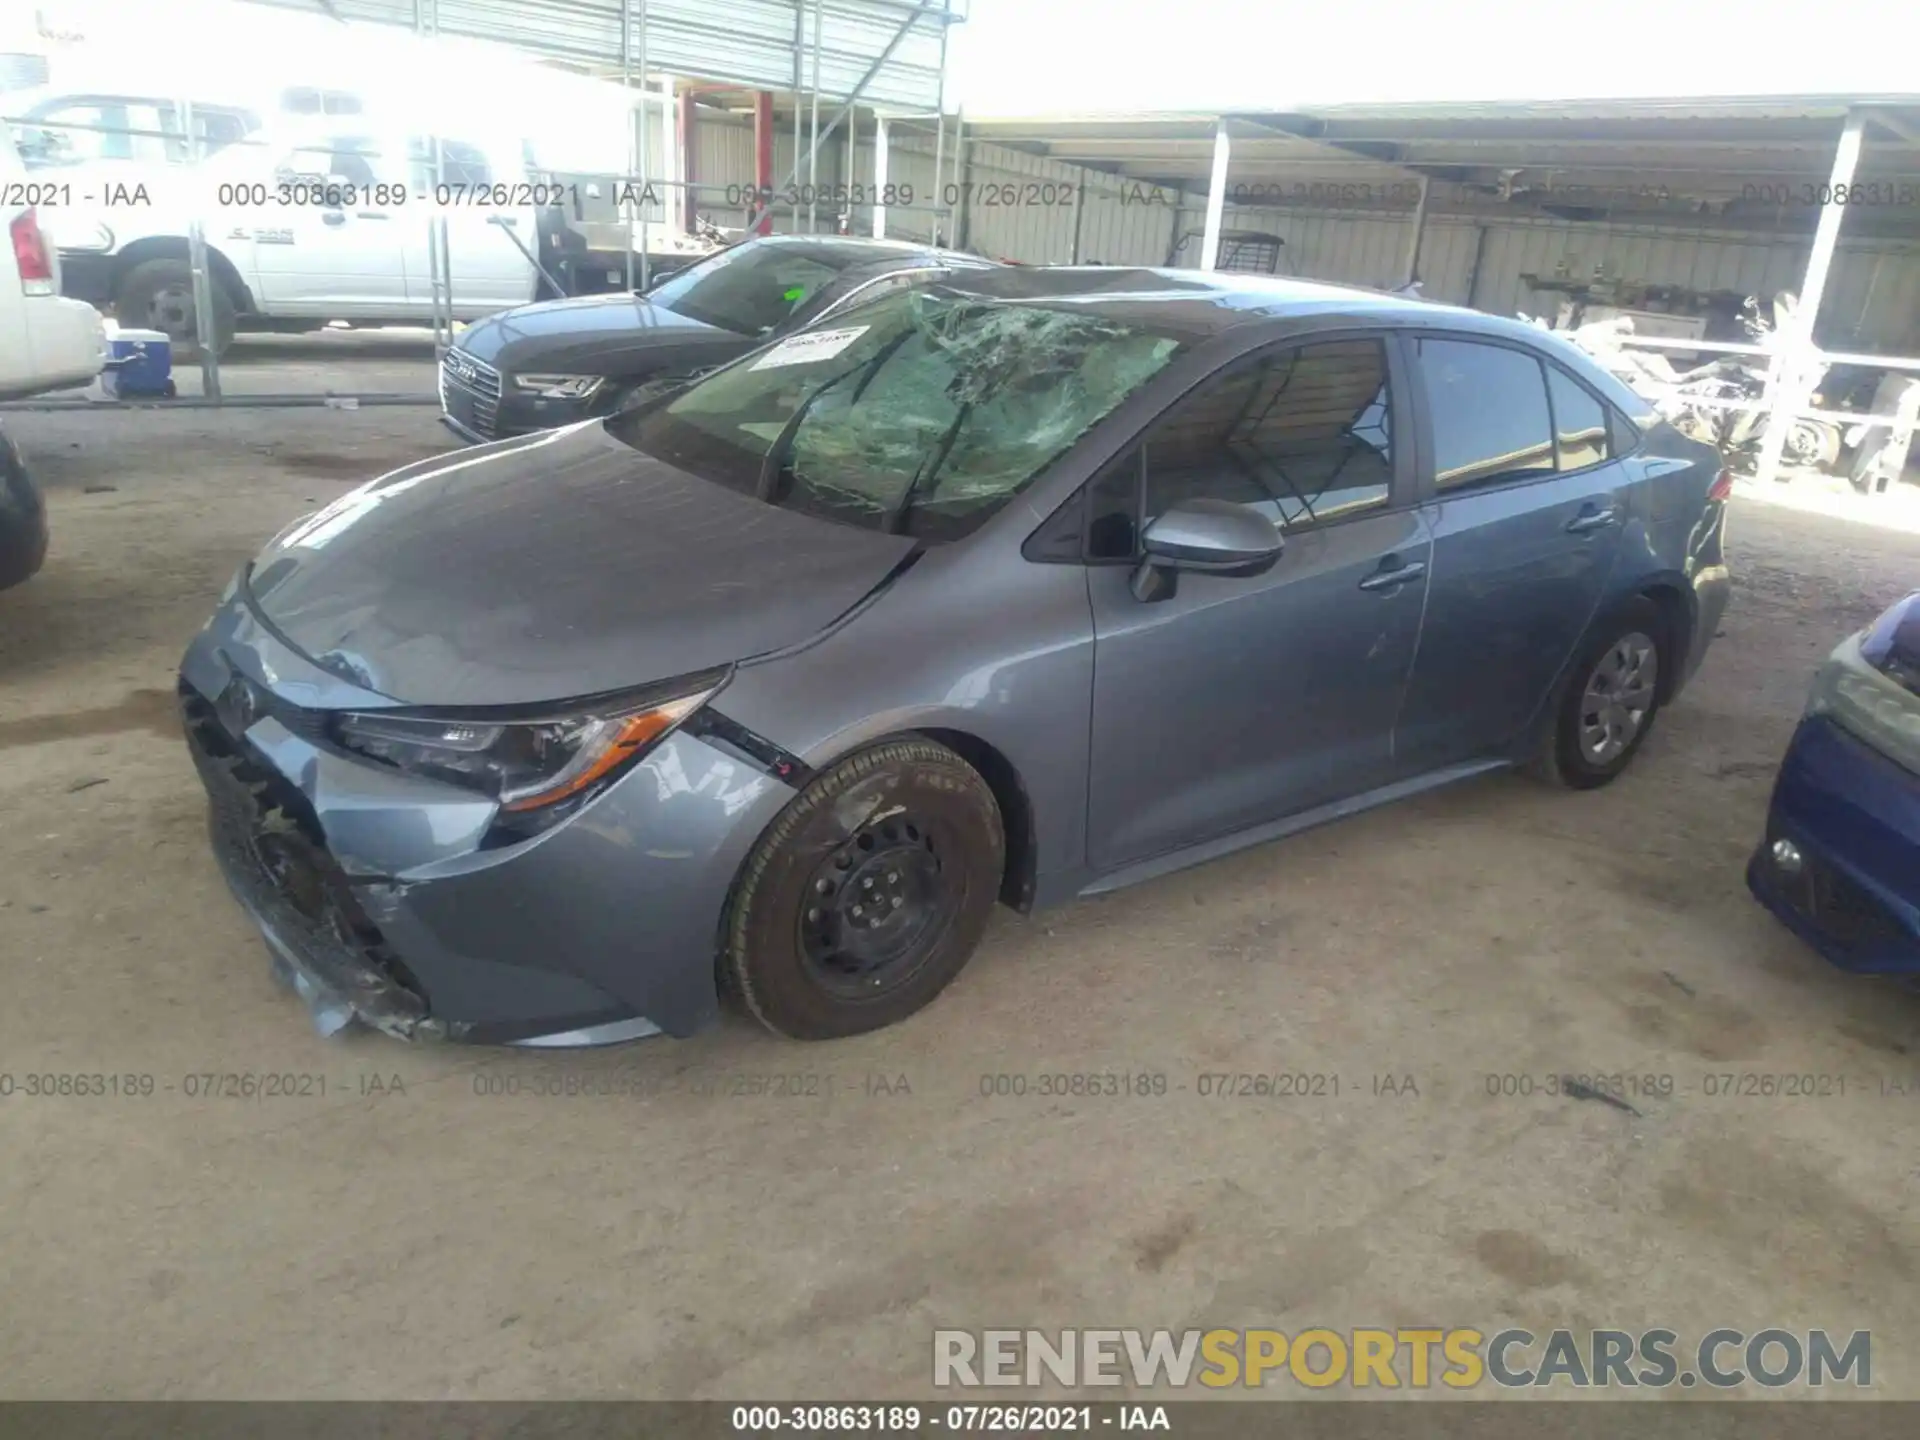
[1209,303]
[851,250]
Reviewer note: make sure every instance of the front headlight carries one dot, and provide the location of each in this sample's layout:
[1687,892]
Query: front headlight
[560,387]
[528,765]
[1848,690]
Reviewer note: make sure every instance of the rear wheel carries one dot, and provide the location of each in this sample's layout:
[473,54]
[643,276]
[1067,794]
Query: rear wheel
[158,295]
[1610,700]
[867,895]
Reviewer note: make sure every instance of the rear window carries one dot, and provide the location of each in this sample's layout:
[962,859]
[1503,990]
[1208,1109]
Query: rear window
[1581,434]
[1489,413]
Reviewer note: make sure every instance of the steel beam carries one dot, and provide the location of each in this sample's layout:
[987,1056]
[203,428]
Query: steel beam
[879,178]
[929,7]
[1788,378]
[1216,198]
[203,324]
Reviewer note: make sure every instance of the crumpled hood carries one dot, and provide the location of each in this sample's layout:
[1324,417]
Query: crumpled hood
[615,335]
[552,566]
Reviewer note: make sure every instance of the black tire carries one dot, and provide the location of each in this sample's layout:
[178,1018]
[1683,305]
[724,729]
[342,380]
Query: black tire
[907,809]
[1565,756]
[158,295]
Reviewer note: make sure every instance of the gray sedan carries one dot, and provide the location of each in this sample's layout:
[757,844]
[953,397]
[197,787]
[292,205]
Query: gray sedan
[1017,588]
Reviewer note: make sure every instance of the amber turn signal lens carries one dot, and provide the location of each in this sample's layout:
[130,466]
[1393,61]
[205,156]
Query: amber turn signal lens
[620,738]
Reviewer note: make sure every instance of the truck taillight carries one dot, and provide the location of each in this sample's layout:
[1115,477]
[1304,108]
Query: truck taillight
[30,254]
[1722,487]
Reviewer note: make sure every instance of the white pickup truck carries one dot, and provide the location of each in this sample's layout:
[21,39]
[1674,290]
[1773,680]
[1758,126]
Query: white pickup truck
[336,226]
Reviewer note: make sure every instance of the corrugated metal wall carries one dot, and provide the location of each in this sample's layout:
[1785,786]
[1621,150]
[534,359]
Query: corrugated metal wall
[1021,207]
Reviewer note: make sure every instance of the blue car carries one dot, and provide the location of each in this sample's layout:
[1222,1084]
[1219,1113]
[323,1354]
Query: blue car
[1840,863]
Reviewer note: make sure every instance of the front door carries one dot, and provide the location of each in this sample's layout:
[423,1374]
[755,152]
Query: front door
[1235,701]
[1527,512]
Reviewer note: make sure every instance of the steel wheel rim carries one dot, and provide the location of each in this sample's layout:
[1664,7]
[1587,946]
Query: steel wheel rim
[1618,697]
[170,311]
[875,907]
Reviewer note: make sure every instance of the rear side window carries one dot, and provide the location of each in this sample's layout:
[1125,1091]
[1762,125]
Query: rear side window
[1580,422]
[1489,413]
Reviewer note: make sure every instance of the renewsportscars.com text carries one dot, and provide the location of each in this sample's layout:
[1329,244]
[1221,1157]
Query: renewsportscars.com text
[1459,1358]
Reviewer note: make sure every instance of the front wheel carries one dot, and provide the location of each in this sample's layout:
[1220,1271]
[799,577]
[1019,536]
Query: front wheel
[1610,700]
[867,895]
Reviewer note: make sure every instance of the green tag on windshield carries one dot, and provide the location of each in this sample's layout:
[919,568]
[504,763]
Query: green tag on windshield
[794,295]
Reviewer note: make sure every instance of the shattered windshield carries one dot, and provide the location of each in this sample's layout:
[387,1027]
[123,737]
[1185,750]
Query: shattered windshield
[750,289]
[921,413]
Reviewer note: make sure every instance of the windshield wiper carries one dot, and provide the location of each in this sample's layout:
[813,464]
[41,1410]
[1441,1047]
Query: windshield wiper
[776,456]
[896,521]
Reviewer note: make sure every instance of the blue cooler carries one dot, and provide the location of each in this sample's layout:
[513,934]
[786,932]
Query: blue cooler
[139,365]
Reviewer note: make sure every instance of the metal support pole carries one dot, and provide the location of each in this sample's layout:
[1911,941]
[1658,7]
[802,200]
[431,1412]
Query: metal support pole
[633,164]
[1412,267]
[939,158]
[1788,376]
[1079,213]
[646,158]
[1216,199]
[204,329]
[669,155]
[440,249]
[879,177]
[847,172]
[689,125]
[813,150]
[940,136]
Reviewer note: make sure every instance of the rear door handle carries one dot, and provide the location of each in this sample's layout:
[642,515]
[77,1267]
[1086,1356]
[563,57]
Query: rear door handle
[1588,521]
[1392,579]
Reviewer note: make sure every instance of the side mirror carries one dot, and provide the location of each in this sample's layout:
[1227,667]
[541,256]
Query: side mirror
[1206,537]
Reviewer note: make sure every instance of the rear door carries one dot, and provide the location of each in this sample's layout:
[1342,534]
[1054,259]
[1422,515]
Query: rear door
[332,251]
[1239,700]
[487,200]
[1525,503]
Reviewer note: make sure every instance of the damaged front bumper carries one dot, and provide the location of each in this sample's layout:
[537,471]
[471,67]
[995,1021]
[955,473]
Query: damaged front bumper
[384,899]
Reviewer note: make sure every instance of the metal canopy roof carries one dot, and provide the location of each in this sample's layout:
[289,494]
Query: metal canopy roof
[765,44]
[1722,156]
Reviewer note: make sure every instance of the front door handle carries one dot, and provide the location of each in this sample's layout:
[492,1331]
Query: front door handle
[1587,521]
[332,217]
[1392,578]
[371,214]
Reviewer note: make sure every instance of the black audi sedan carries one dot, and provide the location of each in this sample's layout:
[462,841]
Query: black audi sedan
[539,366]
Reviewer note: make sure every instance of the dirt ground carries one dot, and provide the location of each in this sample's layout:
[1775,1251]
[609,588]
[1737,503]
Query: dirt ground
[415,1231]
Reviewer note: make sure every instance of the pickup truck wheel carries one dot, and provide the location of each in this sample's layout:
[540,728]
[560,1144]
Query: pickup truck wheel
[158,295]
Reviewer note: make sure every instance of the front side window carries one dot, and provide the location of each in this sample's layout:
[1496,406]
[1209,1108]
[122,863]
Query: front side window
[924,414]
[1304,435]
[1489,413]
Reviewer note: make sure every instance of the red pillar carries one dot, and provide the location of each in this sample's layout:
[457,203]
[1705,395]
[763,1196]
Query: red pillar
[763,156]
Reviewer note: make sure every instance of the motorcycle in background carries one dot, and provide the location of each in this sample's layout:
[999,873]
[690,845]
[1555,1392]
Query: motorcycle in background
[1720,402]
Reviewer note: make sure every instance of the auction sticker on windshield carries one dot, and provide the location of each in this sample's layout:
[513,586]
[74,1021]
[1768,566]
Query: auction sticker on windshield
[805,348]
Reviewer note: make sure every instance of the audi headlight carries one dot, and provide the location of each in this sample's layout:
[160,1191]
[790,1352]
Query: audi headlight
[561,387]
[538,768]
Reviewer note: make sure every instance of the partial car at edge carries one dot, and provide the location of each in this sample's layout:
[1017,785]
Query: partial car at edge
[539,366]
[1839,863]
